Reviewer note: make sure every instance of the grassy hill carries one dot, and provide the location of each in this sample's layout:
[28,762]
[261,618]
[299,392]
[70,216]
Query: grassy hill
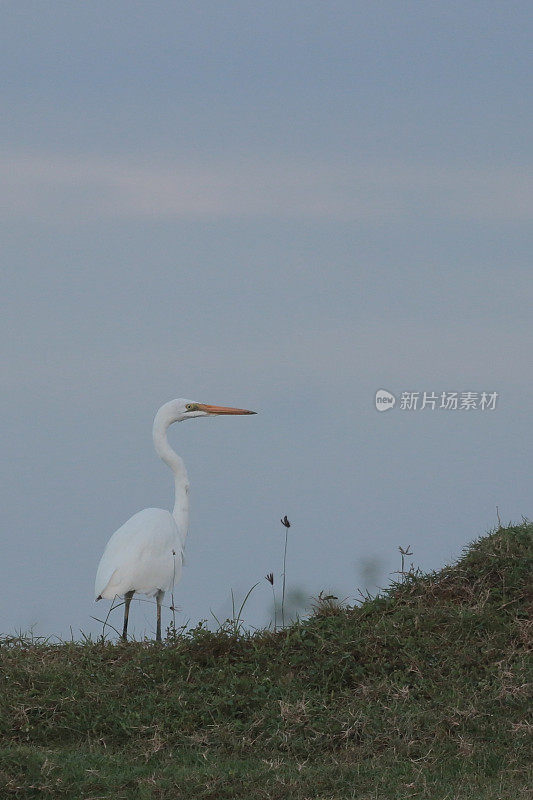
[418,693]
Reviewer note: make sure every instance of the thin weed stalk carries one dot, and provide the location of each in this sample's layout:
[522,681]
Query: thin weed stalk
[270,579]
[105,622]
[236,621]
[285,522]
[405,551]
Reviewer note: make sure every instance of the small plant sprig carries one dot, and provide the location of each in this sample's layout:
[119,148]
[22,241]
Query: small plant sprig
[270,578]
[405,551]
[406,573]
[326,605]
[285,522]
[235,622]
[105,622]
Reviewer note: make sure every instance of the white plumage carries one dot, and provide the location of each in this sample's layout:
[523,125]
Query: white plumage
[145,555]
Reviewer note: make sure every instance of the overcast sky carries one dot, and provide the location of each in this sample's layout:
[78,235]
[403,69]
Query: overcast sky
[283,206]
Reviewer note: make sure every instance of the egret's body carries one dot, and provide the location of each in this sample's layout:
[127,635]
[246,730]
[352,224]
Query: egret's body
[145,555]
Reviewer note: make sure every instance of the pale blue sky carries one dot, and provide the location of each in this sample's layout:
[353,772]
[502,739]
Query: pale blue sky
[281,206]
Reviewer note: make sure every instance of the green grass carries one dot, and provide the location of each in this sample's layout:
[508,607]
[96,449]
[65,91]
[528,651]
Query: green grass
[418,693]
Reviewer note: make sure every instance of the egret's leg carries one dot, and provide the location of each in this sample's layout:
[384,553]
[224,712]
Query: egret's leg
[127,601]
[159,599]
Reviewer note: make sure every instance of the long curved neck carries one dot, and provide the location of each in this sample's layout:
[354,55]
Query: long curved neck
[180,511]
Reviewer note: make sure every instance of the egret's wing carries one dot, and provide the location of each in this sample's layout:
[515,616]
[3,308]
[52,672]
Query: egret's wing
[104,574]
[139,556]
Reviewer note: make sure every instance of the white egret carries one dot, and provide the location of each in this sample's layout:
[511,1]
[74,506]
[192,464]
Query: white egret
[145,555]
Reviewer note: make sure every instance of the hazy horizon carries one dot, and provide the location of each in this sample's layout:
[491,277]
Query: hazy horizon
[279,207]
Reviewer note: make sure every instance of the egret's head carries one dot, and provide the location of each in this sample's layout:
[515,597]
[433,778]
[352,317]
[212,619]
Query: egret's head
[181,409]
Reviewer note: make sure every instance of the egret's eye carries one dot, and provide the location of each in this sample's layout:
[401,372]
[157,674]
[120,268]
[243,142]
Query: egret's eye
[191,407]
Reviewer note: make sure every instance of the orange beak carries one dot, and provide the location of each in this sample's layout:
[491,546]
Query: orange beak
[223,410]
